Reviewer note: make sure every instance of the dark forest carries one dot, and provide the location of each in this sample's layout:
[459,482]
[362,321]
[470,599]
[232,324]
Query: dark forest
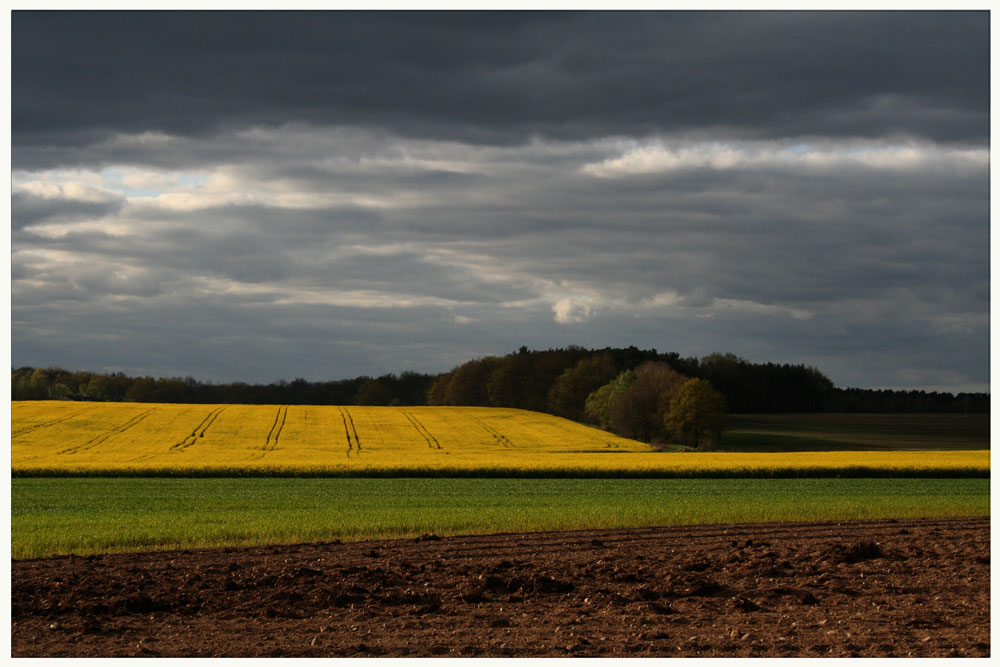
[556,381]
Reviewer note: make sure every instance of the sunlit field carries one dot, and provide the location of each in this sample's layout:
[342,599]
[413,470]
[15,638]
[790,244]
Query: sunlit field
[93,515]
[55,438]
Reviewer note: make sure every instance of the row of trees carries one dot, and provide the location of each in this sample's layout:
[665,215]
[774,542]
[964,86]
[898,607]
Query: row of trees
[54,383]
[557,381]
[655,402]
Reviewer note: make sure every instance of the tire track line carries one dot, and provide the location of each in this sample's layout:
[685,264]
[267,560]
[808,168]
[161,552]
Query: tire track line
[267,441]
[211,421]
[35,427]
[357,440]
[272,436]
[284,416]
[497,435]
[203,426]
[118,430]
[346,432]
[279,423]
[432,442]
[276,425]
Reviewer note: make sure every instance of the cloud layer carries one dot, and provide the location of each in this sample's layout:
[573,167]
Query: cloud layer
[244,196]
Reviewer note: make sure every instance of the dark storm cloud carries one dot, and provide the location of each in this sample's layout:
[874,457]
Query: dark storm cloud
[247,197]
[79,78]
[28,209]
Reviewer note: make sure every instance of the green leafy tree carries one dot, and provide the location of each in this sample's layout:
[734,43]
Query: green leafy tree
[142,390]
[697,414]
[373,392]
[600,401]
[439,388]
[637,412]
[38,385]
[99,387]
[468,382]
[59,391]
[568,393]
[507,387]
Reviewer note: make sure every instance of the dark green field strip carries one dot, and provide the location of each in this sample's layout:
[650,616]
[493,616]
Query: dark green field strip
[61,516]
[831,432]
[853,472]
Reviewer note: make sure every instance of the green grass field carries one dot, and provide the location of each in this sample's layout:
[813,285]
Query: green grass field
[836,432]
[91,515]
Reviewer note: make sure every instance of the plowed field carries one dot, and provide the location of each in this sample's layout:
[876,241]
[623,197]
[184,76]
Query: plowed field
[873,588]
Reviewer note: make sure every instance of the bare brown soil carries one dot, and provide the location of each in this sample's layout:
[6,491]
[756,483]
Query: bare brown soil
[873,588]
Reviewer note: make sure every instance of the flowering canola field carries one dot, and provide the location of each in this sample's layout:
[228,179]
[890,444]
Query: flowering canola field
[68,438]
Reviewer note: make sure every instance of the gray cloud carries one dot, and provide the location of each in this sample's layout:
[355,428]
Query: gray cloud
[251,197]
[497,78]
[27,209]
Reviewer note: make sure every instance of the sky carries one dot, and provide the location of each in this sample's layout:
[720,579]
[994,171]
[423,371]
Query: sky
[262,196]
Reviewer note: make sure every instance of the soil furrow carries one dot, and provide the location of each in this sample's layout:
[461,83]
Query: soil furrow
[693,537]
[904,588]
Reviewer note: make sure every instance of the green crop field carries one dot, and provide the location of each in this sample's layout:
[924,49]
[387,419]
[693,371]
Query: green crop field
[128,477]
[835,432]
[89,515]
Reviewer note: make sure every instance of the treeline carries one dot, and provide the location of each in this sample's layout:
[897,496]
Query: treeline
[28,384]
[557,381]
[888,400]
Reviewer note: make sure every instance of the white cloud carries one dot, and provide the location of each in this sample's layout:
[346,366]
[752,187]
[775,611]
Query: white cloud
[660,300]
[659,156]
[573,310]
[744,306]
[54,187]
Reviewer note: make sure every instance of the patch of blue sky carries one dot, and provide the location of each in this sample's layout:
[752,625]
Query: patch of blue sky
[192,179]
[169,182]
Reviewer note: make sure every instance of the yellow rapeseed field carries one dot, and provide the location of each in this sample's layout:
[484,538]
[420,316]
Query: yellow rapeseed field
[49,437]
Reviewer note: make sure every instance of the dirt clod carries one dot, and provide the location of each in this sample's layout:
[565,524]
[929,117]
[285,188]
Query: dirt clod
[866,588]
[863,551]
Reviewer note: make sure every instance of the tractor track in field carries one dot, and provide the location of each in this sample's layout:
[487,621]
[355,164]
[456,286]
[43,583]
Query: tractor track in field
[199,430]
[347,433]
[279,423]
[886,588]
[271,441]
[500,438]
[118,430]
[31,429]
[357,440]
[432,442]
